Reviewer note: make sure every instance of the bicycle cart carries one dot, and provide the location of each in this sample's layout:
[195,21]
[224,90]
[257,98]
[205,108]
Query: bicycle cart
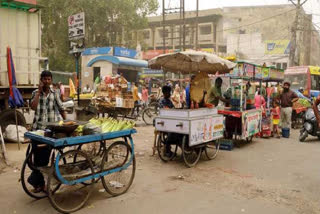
[147,113]
[196,130]
[72,172]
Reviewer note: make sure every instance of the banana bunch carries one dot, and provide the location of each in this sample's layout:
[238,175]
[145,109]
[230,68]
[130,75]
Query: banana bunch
[111,124]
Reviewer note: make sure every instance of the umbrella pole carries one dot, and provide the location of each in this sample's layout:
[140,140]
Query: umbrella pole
[15,112]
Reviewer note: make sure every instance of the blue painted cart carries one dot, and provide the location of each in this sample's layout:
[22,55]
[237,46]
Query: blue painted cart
[73,170]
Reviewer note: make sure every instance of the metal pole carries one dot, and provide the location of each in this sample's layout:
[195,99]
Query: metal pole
[163,27]
[78,77]
[184,27]
[197,25]
[17,128]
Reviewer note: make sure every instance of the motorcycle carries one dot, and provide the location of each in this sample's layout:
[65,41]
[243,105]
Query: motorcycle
[310,126]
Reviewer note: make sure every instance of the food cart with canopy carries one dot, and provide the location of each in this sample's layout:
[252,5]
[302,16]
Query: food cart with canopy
[200,128]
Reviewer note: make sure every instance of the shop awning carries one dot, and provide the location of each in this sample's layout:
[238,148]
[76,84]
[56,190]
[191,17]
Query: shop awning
[117,60]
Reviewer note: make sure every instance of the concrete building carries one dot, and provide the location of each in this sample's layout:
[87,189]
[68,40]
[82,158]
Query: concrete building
[260,34]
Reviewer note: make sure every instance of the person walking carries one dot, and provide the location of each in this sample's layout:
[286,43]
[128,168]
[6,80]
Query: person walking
[287,98]
[145,96]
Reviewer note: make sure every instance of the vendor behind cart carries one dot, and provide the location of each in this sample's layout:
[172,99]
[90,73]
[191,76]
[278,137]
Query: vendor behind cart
[46,103]
[215,94]
[166,103]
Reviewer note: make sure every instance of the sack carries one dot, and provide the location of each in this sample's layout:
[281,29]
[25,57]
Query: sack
[11,133]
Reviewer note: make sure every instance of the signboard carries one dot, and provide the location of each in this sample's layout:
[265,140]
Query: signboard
[76,25]
[248,70]
[258,72]
[124,52]
[277,46]
[97,51]
[251,122]
[276,73]
[265,73]
[205,130]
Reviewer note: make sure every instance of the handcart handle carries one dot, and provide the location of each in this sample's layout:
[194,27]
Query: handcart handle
[160,123]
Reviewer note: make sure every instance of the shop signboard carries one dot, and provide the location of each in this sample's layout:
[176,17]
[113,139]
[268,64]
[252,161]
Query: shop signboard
[258,72]
[251,123]
[248,70]
[125,52]
[98,51]
[265,73]
[206,130]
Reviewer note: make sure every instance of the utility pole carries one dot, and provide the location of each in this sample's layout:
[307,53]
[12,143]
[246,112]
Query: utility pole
[184,27]
[197,26]
[164,27]
[295,27]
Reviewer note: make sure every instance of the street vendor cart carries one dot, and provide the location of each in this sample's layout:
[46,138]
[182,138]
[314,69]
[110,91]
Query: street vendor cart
[114,98]
[198,129]
[243,121]
[73,171]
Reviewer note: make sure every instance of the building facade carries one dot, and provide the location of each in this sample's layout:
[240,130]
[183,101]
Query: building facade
[259,34]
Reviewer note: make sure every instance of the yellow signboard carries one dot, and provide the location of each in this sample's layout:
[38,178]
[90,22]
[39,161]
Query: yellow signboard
[314,70]
[277,46]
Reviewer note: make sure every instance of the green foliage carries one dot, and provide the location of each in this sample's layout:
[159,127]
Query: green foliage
[108,23]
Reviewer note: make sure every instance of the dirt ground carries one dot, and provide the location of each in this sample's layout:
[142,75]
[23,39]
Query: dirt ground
[267,176]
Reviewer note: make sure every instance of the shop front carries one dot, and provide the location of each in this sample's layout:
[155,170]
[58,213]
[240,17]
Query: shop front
[99,62]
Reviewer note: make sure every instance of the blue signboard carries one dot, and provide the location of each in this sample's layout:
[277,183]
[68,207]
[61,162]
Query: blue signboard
[97,51]
[124,52]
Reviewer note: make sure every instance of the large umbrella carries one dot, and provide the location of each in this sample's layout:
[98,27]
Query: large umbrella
[191,62]
[15,98]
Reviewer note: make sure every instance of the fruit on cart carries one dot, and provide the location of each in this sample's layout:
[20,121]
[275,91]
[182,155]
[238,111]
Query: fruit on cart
[301,103]
[104,125]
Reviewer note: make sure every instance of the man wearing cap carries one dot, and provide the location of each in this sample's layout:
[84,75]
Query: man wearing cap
[287,97]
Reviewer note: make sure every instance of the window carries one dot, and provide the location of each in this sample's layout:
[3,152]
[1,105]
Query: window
[160,31]
[222,49]
[315,82]
[278,65]
[146,34]
[284,66]
[205,30]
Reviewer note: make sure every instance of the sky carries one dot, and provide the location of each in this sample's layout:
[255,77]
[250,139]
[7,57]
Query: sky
[311,6]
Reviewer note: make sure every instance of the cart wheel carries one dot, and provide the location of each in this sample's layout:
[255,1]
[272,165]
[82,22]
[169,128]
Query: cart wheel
[249,139]
[212,149]
[70,198]
[95,153]
[119,154]
[148,115]
[26,170]
[161,147]
[190,155]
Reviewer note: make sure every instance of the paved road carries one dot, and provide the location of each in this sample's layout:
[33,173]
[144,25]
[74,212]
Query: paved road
[267,176]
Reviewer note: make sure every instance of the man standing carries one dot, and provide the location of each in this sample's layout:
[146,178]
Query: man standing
[188,100]
[135,94]
[287,97]
[215,93]
[46,103]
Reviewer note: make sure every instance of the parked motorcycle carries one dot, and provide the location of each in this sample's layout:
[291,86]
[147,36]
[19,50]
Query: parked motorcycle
[310,126]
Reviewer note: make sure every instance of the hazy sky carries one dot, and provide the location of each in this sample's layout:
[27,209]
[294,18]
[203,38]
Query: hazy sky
[311,7]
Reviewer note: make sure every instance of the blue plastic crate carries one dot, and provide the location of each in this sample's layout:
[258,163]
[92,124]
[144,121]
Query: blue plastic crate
[226,144]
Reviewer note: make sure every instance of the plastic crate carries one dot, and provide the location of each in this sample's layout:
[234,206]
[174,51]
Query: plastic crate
[226,144]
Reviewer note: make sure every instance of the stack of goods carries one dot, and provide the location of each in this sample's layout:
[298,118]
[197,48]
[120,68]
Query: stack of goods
[114,92]
[301,103]
[104,125]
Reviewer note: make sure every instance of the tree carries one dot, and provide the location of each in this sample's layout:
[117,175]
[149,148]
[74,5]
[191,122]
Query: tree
[108,23]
